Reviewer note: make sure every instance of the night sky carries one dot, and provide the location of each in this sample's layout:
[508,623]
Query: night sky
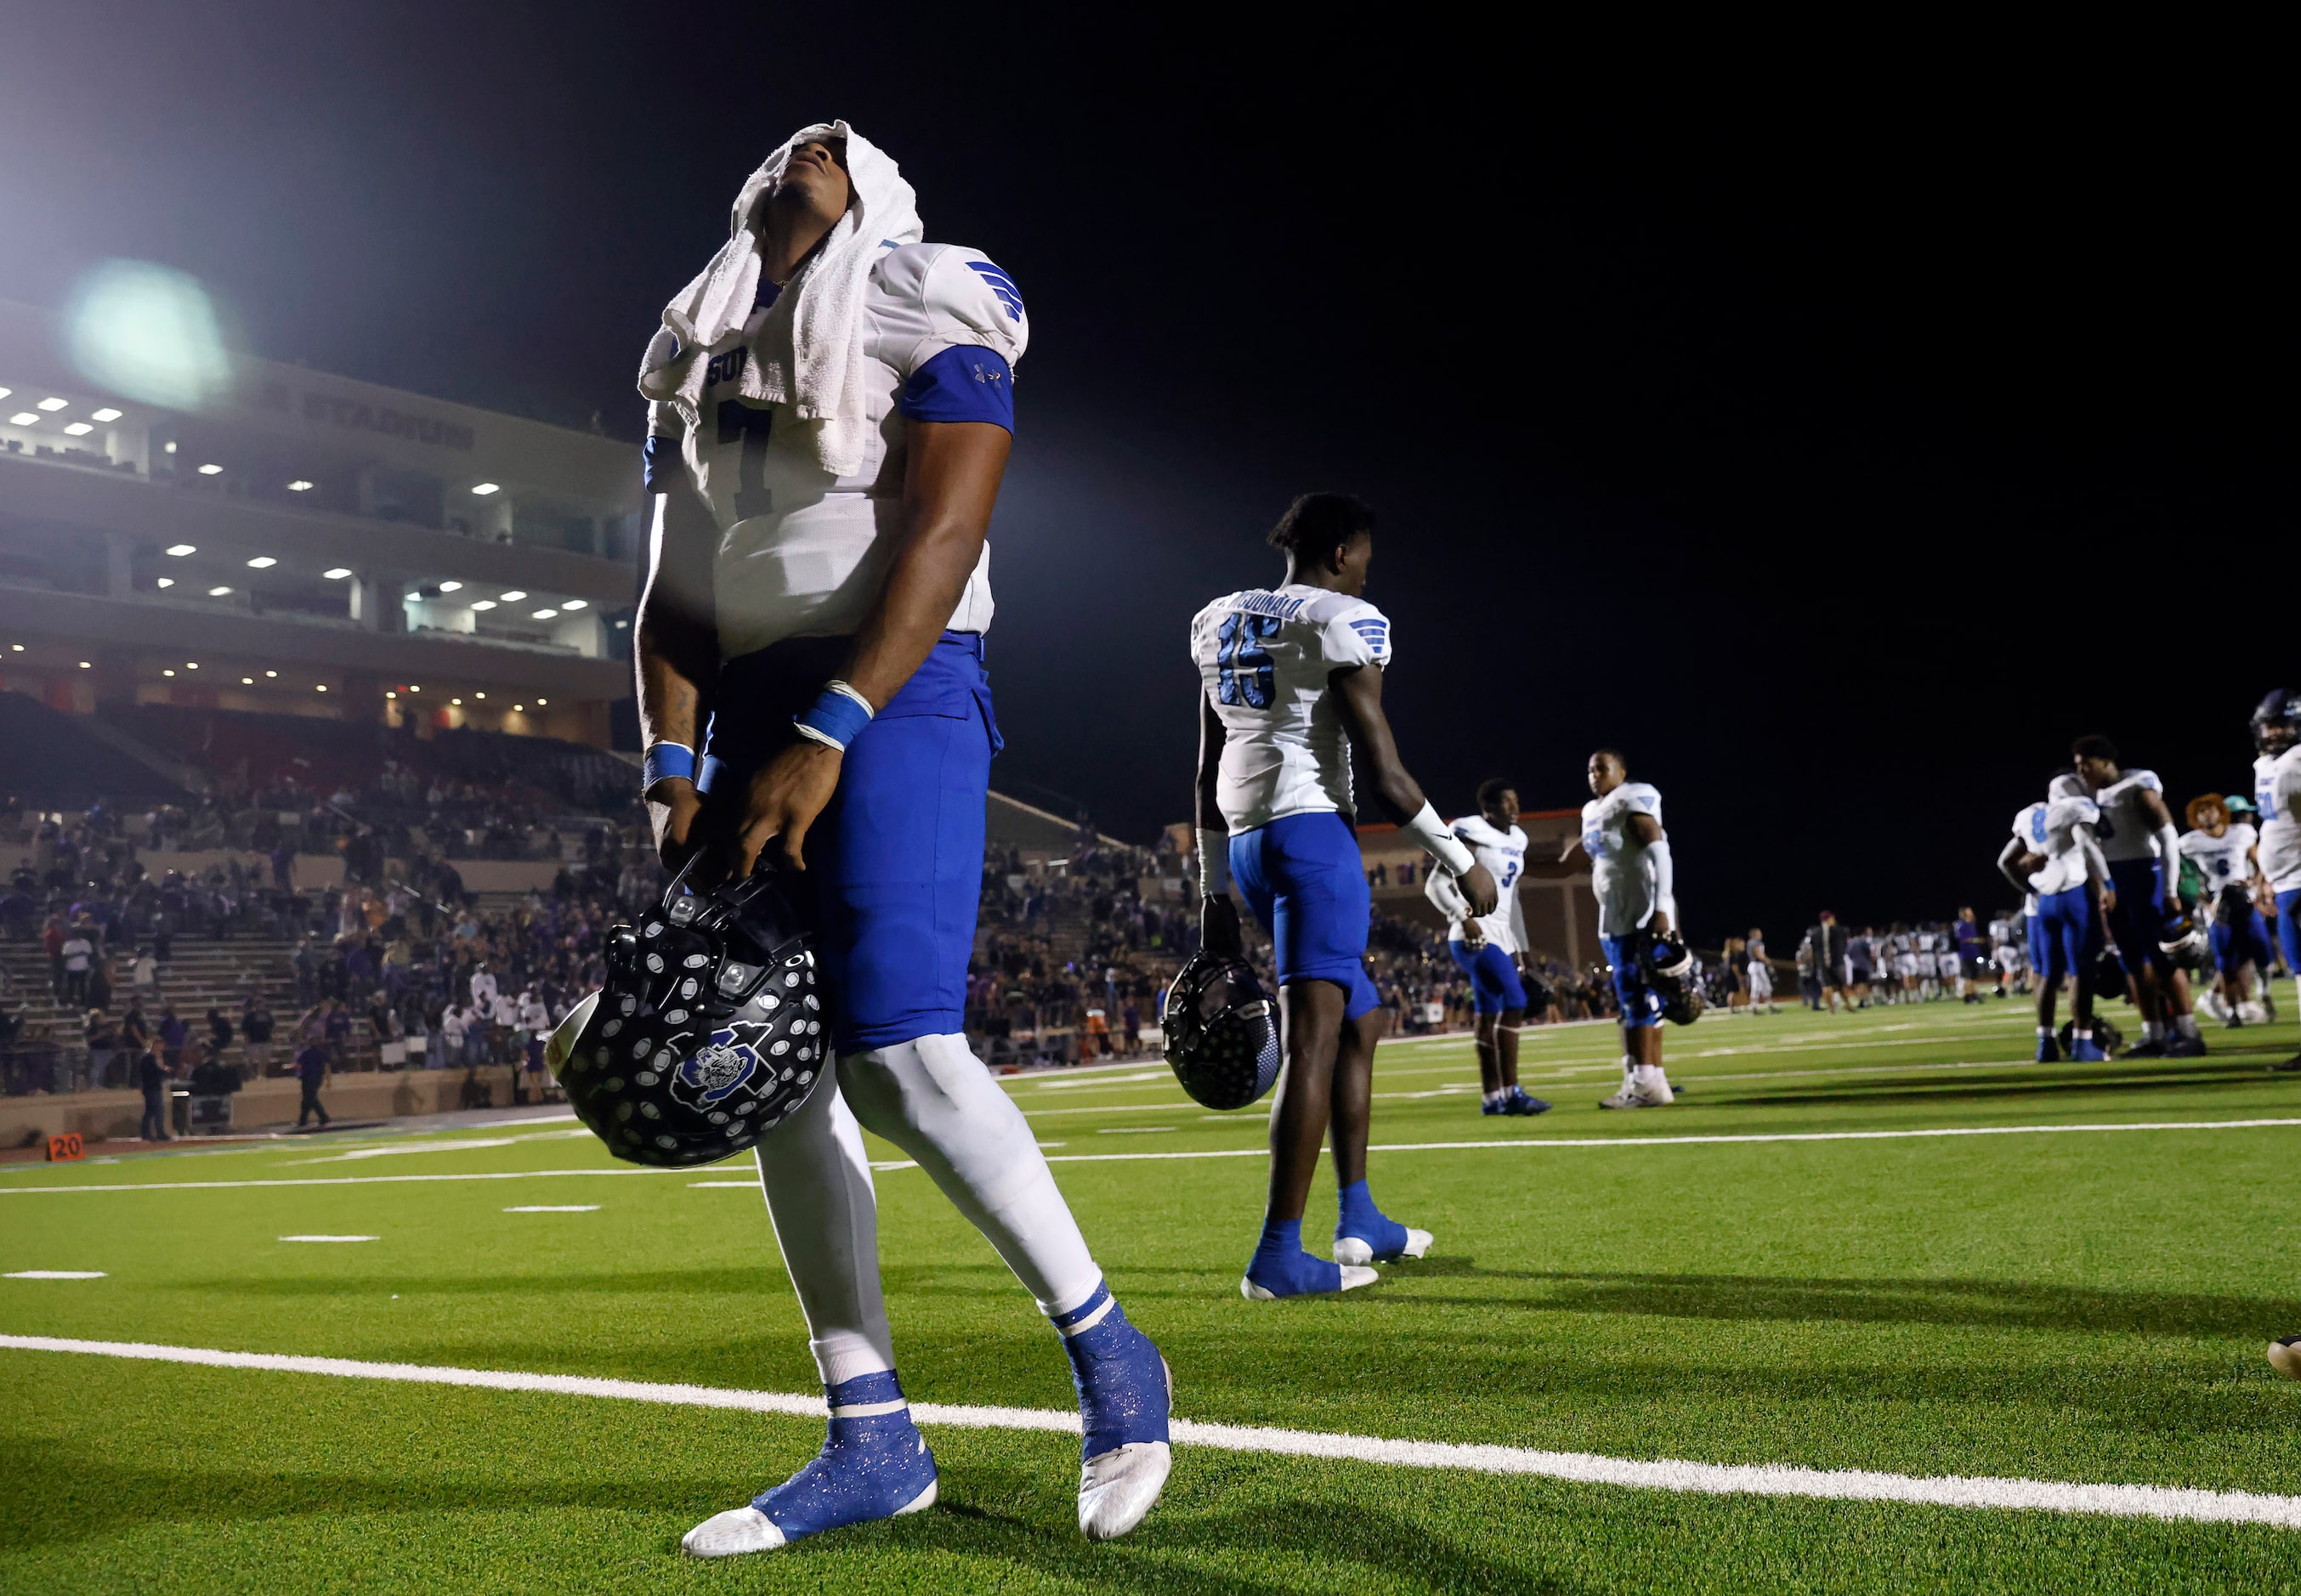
[1837,424]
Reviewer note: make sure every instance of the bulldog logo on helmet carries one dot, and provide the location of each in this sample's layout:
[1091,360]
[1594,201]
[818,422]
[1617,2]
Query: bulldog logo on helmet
[720,1067]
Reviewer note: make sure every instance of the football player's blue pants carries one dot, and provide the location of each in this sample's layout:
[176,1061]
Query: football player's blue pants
[2236,939]
[894,863]
[1302,876]
[894,872]
[2288,934]
[2069,934]
[1495,984]
[2138,923]
[1641,1004]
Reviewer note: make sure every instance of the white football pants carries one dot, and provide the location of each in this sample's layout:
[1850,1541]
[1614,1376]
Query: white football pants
[933,1099]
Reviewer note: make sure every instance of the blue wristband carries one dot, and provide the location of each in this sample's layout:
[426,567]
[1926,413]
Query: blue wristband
[836,718]
[665,760]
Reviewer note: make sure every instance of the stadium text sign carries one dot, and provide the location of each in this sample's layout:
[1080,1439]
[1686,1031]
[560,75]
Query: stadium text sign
[66,1149]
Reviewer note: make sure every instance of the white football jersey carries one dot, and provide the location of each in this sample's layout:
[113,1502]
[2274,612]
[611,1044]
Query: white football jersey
[2222,860]
[1264,657]
[2050,828]
[1621,877]
[802,553]
[1503,854]
[2277,793]
[2125,830]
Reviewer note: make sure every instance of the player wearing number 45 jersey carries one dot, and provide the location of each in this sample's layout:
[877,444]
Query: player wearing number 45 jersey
[1290,683]
[1491,949]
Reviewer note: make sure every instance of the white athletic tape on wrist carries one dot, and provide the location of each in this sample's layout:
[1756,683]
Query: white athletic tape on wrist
[1441,844]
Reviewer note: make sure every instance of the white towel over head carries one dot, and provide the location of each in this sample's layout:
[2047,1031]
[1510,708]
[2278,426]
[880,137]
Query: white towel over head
[808,353]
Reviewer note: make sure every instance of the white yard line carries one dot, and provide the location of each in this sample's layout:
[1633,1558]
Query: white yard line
[1590,1468]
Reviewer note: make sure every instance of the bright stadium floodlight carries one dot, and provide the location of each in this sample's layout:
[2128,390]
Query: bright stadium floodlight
[78,429]
[272,673]
[164,582]
[479,695]
[484,488]
[167,672]
[338,574]
[210,469]
[515,596]
[169,448]
[389,694]
[53,403]
[576,604]
[218,592]
[106,414]
[22,418]
[262,562]
[87,664]
[180,549]
[300,486]
[193,664]
[4,392]
[457,702]
[484,603]
[321,688]
[539,703]
[519,709]
[544,615]
[451,587]
[247,682]
[414,689]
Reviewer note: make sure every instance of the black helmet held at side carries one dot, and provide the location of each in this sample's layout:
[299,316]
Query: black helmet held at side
[1222,1038]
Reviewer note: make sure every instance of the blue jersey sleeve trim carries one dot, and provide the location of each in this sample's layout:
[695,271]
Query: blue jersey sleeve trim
[659,462]
[964,383]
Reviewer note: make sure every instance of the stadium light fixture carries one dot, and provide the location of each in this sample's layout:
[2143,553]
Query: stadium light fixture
[300,486]
[210,469]
[623,626]
[389,694]
[484,603]
[262,562]
[53,403]
[191,665]
[4,392]
[78,429]
[414,689]
[165,581]
[544,615]
[321,688]
[515,596]
[106,414]
[247,682]
[519,709]
[479,695]
[451,587]
[539,703]
[218,592]
[576,604]
[484,488]
[338,574]
[272,673]
[458,702]
[180,549]
[86,666]
[22,418]
[167,672]
[169,448]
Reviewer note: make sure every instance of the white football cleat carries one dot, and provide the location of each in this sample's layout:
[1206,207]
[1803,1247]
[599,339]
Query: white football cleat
[1640,1096]
[732,1533]
[1357,1250]
[1118,1489]
[1353,1277]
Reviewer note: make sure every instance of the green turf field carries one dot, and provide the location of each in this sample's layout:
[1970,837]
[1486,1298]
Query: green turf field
[2087,1306]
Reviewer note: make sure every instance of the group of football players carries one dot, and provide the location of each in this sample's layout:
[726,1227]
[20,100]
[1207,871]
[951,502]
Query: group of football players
[2115,894]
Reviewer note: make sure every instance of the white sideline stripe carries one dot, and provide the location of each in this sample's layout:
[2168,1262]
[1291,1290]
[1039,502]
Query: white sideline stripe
[1253,1152]
[723,1185]
[1709,1479]
[331,1238]
[56,1274]
[555,1208]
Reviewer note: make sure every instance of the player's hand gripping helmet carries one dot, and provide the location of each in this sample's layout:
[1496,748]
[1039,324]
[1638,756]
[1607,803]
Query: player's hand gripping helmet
[707,1033]
[1670,971]
[1222,1038]
[2277,721]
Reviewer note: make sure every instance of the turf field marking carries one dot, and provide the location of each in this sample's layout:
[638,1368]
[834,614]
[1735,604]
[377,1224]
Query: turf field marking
[338,1179]
[1663,1474]
[1132,1129]
[56,1274]
[555,1207]
[359,1153]
[331,1238]
[723,1185]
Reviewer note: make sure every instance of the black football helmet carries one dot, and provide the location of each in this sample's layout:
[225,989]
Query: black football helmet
[1671,971]
[1222,1035]
[707,1033]
[2186,941]
[2277,721]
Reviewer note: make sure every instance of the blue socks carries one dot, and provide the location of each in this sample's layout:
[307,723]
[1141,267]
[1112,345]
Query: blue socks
[1121,1379]
[874,1464]
[1281,1267]
[1361,1218]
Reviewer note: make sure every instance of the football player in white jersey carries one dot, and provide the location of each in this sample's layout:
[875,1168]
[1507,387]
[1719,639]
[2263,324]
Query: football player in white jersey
[1290,683]
[1491,950]
[1761,975]
[2277,795]
[1632,877]
[2138,839]
[831,414]
[2053,859]
[2223,853]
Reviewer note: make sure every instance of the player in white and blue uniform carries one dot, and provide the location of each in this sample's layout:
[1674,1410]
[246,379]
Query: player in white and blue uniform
[2053,861]
[2277,795]
[1632,877]
[2142,848]
[831,410]
[1491,949]
[2222,852]
[1289,682]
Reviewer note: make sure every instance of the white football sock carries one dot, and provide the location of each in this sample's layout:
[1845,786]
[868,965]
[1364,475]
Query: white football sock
[817,1178]
[2185,1024]
[1650,1075]
[2151,1031]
